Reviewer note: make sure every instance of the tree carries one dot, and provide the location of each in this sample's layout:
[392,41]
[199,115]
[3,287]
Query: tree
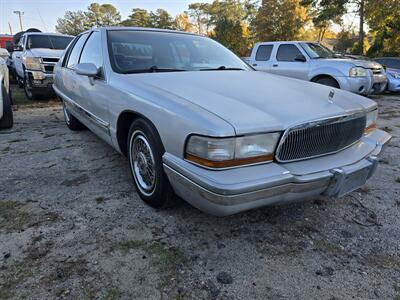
[73,23]
[383,18]
[162,19]
[345,41]
[200,12]
[182,22]
[279,20]
[232,35]
[102,15]
[139,18]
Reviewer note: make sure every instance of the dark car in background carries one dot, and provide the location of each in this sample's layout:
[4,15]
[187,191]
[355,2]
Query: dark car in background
[392,65]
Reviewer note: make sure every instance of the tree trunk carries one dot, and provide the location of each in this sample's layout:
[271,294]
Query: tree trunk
[361,34]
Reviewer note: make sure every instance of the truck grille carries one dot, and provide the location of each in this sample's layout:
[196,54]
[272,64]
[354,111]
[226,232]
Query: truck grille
[48,64]
[320,138]
[50,60]
[376,71]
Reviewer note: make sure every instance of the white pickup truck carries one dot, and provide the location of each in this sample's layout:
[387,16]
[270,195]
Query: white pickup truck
[316,63]
[34,59]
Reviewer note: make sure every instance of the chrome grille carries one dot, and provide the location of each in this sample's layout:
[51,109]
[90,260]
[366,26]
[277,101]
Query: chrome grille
[376,71]
[320,138]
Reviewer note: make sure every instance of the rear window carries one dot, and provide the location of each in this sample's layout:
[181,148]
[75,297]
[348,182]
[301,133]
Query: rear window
[264,52]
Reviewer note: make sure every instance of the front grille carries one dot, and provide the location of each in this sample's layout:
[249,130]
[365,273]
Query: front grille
[376,71]
[50,60]
[320,138]
[49,69]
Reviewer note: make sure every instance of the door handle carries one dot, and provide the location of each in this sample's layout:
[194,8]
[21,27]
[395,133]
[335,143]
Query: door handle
[255,65]
[274,65]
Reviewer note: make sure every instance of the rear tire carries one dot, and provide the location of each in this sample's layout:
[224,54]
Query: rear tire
[7,120]
[145,151]
[72,123]
[328,81]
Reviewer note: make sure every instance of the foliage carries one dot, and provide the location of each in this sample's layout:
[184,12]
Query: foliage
[139,18]
[345,41]
[231,33]
[162,19]
[97,15]
[279,20]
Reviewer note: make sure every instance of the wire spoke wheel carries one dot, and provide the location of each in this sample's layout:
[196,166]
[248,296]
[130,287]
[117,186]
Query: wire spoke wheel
[143,163]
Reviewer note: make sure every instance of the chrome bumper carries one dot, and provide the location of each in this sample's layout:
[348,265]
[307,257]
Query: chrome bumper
[223,193]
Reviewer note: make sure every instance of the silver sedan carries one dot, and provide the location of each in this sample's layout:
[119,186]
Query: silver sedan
[196,121]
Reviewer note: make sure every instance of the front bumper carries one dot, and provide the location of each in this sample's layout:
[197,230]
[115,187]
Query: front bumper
[230,191]
[393,84]
[40,80]
[363,85]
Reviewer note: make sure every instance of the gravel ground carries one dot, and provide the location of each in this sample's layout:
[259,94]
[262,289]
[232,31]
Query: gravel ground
[73,227]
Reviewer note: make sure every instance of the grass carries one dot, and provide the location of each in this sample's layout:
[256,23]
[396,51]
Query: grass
[165,258]
[100,199]
[15,275]
[12,215]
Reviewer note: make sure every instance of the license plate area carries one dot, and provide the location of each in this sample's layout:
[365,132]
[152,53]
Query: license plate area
[346,181]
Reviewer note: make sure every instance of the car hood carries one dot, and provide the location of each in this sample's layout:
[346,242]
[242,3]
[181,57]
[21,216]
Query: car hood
[44,52]
[253,101]
[356,62]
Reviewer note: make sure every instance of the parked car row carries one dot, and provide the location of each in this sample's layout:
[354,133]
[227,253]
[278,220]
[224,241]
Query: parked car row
[316,63]
[195,120]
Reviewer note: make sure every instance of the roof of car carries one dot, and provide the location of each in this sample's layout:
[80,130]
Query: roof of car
[391,57]
[144,29]
[47,33]
[286,42]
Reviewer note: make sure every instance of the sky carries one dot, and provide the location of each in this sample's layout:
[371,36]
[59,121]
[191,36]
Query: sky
[43,14]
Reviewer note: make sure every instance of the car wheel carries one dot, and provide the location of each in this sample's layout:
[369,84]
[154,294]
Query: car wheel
[7,120]
[20,81]
[29,91]
[72,122]
[328,81]
[145,151]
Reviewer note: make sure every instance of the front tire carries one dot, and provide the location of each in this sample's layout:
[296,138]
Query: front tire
[72,123]
[30,92]
[145,151]
[7,120]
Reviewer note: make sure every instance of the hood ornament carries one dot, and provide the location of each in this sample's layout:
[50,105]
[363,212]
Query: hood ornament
[330,96]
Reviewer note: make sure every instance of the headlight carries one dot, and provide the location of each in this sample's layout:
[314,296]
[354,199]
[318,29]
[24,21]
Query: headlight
[372,116]
[394,74]
[33,63]
[358,72]
[228,152]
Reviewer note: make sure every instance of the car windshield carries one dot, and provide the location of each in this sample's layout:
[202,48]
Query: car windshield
[316,51]
[151,51]
[392,63]
[48,41]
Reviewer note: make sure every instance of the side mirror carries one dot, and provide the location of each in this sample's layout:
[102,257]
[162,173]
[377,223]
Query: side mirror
[86,69]
[18,48]
[300,58]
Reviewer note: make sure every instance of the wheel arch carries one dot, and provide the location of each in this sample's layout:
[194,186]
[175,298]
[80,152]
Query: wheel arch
[124,121]
[319,76]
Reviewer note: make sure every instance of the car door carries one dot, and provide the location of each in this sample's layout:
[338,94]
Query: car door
[287,63]
[17,57]
[66,80]
[262,58]
[92,94]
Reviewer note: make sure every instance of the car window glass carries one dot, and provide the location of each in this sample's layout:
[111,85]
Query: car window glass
[76,50]
[393,63]
[91,52]
[287,52]
[264,52]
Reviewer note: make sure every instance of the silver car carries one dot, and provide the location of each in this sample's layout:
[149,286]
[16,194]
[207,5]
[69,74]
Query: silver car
[195,120]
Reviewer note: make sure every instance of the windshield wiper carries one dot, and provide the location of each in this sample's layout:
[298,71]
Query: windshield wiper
[152,69]
[223,68]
